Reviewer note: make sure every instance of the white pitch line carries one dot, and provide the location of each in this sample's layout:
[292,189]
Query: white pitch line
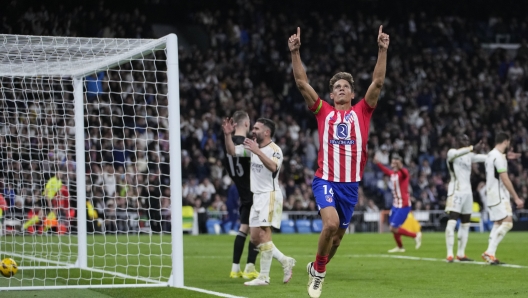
[387,256]
[212,292]
[428,259]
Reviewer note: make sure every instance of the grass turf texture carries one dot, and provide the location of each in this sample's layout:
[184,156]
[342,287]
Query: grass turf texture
[361,268]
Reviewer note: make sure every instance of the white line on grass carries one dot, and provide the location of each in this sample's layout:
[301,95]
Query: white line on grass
[212,292]
[388,256]
[63,265]
[69,266]
[426,259]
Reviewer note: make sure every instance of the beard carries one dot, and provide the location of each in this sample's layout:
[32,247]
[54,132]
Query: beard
[257,138]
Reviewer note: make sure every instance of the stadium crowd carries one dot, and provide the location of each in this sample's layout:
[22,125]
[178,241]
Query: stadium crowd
[440,83]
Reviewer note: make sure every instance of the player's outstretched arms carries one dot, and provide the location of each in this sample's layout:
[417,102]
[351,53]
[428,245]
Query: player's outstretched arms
[309,94]
[378,77]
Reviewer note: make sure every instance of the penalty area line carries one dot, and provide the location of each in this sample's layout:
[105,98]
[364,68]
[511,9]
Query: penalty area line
[429,259]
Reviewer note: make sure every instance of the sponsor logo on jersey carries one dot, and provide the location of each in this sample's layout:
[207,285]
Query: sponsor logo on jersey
[329,198]
[345,223]
[342,142]
[277,155]
[256,167]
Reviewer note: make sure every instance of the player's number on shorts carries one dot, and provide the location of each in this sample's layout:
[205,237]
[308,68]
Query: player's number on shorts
[328,191]
[235,166]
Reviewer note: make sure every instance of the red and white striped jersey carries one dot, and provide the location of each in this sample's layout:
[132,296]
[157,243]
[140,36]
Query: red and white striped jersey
[399,185]
[343,137]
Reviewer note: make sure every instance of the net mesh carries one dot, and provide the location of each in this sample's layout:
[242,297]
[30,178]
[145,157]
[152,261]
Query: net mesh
[126,160]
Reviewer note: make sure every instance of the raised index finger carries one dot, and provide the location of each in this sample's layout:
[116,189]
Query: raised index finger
[380,29]
[299,32]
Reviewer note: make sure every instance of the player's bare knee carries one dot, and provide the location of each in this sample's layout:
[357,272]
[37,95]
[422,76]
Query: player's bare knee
[331,227]
[394,229]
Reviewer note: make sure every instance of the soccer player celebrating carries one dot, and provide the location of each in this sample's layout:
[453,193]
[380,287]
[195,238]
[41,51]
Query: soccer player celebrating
[238,169]
[498,191]
[401,206]
[343,133]
[460,197]
[266,161]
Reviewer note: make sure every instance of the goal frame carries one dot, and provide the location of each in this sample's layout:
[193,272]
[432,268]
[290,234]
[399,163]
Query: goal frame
[170,44]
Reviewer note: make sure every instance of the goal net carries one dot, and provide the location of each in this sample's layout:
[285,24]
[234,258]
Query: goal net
[86,157]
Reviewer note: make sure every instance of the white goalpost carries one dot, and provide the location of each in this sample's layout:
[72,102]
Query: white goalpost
[90,162]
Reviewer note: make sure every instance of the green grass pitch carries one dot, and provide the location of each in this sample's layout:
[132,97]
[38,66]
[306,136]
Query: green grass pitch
[361,268]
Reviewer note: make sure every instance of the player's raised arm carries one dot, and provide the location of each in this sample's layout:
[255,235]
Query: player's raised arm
[309,94]
[378,77]
[229,127]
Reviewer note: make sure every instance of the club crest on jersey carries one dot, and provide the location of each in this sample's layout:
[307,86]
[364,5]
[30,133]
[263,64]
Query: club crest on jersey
[348,117]
[329,198]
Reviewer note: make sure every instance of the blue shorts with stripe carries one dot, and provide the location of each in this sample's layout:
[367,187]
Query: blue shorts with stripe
[398,216]
[343,196]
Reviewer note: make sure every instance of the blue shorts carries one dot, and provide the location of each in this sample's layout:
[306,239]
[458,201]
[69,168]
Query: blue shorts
[398,216]
[343,196]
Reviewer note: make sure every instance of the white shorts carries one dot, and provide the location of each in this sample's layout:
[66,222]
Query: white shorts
[266,210]
[460,202]
[500,211]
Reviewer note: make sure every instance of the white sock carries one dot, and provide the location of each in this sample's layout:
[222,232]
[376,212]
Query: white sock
[492,236]
[450,236]
[235,267]
[266,256]
[463,233]
[501,232]
[277,254]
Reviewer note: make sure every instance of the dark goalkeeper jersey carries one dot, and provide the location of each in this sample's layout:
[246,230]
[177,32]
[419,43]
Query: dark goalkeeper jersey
[238,169]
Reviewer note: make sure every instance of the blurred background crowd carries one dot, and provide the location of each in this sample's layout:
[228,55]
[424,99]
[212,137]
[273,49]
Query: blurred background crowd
[443,79]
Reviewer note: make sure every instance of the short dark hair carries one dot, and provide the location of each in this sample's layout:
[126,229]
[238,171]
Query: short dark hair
[342,76]
[238,116]
[269,124]
[396,156]
[501,136]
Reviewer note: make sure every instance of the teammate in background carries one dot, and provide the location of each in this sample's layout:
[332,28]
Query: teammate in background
[266,161]
[460,196]
[343,135]
[499,188]
[238,169]
[401,205]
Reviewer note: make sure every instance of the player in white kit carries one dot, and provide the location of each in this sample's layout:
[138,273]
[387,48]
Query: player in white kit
[498,190]
[460,196]
[266,161]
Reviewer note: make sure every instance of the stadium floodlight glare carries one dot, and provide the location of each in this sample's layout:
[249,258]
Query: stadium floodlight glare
[68,107]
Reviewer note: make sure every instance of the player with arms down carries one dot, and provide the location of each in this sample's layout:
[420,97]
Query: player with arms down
[343,135]
[498,190]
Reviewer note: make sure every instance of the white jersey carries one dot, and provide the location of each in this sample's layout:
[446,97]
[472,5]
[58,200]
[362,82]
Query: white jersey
[459,164]
[495,190]
[262,179]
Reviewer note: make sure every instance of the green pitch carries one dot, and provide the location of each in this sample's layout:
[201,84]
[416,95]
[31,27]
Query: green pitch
[361,268]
